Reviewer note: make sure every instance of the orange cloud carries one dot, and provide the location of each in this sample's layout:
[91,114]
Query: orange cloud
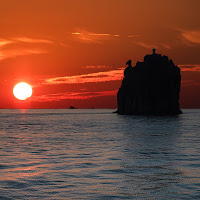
[90,37]
[192,36]
[4,42]
[190,83]
[132,36]
[151,46]
[190,68]
[147,45]
[32,40]
[19,52]
[111,75]
[166,46]
[71,95]
[14,51]
[98,67]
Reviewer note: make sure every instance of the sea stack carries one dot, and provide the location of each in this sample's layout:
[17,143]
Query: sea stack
[152,87]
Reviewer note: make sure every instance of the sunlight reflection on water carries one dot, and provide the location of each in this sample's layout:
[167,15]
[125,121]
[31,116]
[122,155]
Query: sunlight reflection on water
[94,154]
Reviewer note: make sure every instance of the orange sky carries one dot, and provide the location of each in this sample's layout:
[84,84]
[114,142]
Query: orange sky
[73,52]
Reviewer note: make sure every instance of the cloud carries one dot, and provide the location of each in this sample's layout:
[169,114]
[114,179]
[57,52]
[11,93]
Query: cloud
[146,45]
[72,95]
[166,46]
[18,50]
[111,75]
[190,68]
[151,46]
[191,36]
[4,42]
[133,36]
[98,67]
[190,83]
[32,40]
[90,37]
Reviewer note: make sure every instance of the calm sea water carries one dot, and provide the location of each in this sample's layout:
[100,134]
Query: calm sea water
[95,154]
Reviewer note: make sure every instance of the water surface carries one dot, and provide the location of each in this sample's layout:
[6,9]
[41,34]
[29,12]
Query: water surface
[95,154]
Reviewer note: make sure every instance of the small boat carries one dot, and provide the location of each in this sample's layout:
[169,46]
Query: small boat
[72,107]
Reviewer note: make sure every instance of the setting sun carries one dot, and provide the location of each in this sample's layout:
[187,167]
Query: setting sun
[22,91]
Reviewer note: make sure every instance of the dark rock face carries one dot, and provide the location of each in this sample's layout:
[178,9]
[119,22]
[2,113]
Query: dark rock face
[151,87]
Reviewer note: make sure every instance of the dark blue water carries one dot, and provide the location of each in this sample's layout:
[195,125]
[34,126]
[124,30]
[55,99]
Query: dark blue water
[95,154]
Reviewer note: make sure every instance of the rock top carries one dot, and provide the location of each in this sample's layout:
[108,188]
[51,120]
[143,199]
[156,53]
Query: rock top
[152,87]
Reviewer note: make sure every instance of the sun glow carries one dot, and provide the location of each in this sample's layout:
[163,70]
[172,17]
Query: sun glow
[22,91]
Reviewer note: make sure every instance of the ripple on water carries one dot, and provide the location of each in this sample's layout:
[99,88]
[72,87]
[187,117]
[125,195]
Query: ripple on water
[93,154]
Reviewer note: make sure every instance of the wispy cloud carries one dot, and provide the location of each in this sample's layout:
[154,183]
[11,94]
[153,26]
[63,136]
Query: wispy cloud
[190,68]
[191,36]
[72,95]
[4,42]
[12,53]
[146,45]
[190,83]
[133,36]
[32,40]
[90,37]
[19,49]
[166,46]
[98,67]
[111,75]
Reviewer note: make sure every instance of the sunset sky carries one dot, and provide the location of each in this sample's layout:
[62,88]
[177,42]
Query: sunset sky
[73,52]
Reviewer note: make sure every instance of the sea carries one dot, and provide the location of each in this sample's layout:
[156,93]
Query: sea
[56,154]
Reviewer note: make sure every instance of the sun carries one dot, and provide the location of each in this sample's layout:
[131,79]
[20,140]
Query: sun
[22,91]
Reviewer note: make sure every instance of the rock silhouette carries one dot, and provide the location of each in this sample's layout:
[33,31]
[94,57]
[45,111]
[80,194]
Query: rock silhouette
[151,87]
